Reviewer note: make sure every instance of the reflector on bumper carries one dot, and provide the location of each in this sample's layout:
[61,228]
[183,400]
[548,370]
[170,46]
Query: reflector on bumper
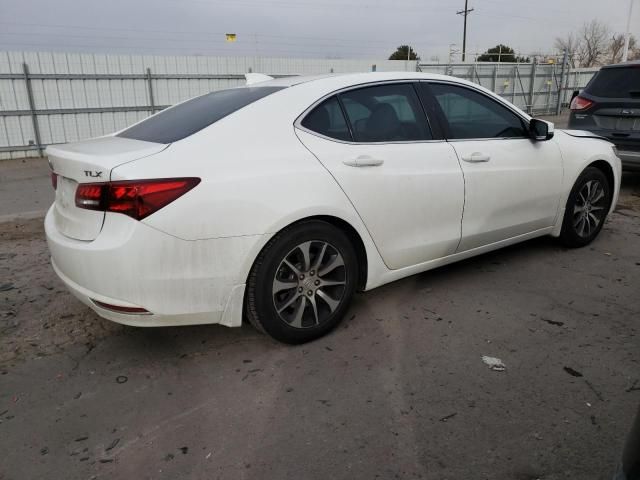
[122,309]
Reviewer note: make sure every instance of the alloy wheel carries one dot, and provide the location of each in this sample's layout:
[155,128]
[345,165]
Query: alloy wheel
[309,284]
[589,208]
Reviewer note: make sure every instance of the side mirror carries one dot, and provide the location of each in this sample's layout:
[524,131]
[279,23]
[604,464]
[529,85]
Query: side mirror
[540,130]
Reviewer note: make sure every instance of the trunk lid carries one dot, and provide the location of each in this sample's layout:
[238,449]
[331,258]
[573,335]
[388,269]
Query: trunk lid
[89,161]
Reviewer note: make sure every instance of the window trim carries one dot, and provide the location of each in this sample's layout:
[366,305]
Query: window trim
[437,135]
[445,123]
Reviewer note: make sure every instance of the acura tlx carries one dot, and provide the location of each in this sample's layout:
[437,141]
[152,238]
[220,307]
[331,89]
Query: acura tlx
[276,201]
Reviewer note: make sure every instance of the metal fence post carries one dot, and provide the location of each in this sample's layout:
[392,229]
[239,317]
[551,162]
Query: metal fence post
[565,61]
[532,85]
[150,87]
[32,108]
[495,79]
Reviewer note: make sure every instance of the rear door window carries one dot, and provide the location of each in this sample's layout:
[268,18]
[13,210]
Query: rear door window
[193,115]
[327,119]
[386,113]
[616,82]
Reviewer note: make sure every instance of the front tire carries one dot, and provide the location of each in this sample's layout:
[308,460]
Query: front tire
[587,208]
[302,282]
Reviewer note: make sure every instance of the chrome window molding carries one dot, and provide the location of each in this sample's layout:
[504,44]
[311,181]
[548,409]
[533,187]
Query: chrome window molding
[298,121]
[498,100]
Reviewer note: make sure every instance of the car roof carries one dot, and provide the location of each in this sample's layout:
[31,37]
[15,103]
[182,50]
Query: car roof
[308,89]
[633,63]
[352,78]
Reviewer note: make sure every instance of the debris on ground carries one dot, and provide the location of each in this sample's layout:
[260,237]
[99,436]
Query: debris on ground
[552,322]
[495,364]
[572,372]
[448,417]
[121,379]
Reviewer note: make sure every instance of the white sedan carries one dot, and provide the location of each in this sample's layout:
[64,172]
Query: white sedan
[277,200]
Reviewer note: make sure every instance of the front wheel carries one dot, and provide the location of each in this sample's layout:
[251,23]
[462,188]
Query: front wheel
[302,282]
[587,208]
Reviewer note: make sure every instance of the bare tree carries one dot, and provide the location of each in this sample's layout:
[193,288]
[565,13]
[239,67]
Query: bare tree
[594,42]
[570,44]
[634,49]
[616,46]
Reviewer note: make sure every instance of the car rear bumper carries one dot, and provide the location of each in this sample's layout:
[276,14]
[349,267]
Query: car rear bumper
[131,264]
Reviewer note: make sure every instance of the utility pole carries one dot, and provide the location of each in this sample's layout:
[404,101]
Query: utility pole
[465,13]
[625,54]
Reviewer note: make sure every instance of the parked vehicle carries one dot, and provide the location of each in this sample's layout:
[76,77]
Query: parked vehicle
[629,467]
[610,106]
[280,199]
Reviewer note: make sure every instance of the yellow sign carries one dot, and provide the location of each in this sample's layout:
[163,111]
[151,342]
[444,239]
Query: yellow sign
[231,37]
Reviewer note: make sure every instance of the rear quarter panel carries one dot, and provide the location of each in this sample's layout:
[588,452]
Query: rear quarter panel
[257,178]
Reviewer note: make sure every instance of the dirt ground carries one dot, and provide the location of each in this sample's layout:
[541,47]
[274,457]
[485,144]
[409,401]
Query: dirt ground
[398,391]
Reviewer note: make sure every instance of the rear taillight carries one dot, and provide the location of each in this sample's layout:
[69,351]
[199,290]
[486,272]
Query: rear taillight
[54,180]
[580,103]
[135,198]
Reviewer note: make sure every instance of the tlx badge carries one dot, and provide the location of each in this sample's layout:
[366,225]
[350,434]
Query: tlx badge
[92,174]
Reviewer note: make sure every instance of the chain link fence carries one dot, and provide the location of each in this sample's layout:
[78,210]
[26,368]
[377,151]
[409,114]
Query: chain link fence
[49,98]
[538,89]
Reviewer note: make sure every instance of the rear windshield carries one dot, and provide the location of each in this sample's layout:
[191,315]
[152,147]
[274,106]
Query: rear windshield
[616,83]
[193,115]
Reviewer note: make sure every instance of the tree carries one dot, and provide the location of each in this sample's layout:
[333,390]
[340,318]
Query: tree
[616,48]
[402,53]
[501,53]
[570,44]
[594,42]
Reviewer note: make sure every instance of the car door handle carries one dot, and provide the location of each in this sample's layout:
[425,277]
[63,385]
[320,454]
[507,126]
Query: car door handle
[363,161]
[476,157]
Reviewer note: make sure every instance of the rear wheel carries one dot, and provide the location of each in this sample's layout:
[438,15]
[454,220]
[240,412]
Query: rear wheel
[302,283]
[587,208]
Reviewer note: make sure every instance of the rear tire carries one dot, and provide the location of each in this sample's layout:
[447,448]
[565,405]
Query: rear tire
[301,284]
[587,208]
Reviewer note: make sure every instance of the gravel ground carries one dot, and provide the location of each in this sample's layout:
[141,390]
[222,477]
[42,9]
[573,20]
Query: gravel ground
[398,391]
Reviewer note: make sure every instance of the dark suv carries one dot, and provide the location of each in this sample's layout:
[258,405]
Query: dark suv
[609,106]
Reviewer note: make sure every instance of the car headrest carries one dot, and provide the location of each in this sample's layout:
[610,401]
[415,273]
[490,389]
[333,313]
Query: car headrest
[383,123]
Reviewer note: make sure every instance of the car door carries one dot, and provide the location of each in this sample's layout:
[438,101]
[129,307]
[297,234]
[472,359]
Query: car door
[404,181]
[512,183]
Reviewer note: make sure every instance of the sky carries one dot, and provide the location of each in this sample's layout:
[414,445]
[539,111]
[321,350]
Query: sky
[364,29]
